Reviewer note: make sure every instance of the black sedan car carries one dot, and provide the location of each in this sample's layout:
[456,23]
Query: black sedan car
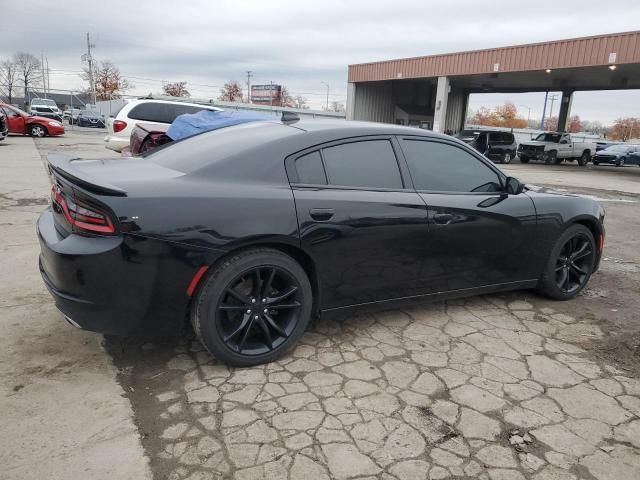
[250,230]
[618,155]
[87,118]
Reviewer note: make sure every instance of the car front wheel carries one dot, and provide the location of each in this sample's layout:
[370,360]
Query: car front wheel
[37,131]
[570,265]
[620,163]
[253,307]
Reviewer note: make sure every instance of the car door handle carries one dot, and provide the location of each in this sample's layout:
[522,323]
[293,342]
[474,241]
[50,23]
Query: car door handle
[322,214]
[443,218]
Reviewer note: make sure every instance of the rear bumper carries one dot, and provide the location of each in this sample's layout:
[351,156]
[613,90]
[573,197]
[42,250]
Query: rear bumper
[113,142]
[118,285]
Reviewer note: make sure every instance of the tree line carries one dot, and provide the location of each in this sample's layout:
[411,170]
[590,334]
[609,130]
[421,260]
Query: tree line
[506,115]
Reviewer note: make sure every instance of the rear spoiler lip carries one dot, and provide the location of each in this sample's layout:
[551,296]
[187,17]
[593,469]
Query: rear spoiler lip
[62,165]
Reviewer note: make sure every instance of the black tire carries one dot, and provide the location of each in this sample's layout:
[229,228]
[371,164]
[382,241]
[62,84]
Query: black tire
[215,321]
[584,159]
[37,131]
[596,163]
[560,262]
[550,157]
[620,163]
[506,158]
[524,159]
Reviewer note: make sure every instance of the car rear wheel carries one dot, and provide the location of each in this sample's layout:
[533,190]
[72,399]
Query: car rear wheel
[37,131]
[570,265]
[584,159]
[253,307]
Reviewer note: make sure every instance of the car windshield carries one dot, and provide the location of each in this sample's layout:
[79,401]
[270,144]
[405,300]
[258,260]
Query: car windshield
[619,148]
[468,134]
[548,137]
[17,110]
[43,101]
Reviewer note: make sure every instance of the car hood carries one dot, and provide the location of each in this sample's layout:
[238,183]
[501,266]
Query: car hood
[37,119]
[539,189]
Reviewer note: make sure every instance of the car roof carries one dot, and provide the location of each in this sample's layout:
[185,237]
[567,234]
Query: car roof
[347,128]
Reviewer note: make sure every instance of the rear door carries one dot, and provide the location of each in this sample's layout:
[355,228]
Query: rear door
[361,220]
[479,235]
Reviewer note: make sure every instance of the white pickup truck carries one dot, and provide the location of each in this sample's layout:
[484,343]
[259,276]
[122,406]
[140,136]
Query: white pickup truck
[554,147]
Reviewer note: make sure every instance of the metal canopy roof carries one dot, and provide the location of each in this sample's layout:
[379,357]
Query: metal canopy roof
[575,64]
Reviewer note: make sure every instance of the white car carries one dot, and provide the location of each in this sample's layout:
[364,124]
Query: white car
[40,105]
[149,111]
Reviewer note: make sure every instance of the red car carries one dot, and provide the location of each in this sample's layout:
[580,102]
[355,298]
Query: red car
[24,124]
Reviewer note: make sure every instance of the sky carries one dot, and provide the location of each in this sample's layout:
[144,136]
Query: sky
[298,43]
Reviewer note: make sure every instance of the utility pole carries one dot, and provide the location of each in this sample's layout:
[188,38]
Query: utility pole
[89,59]
[327,104]
[249,75]
[544,110]
[44,75]
[271,95]
[553,98]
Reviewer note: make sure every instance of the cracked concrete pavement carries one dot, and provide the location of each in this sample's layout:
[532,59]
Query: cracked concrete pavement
[497,387]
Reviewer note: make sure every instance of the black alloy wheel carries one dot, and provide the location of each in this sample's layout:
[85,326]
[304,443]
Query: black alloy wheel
[571,264]
[253,307]
[574,264]
[258,310]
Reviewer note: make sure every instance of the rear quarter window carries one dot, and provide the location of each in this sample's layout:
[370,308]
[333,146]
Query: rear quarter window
[161,112]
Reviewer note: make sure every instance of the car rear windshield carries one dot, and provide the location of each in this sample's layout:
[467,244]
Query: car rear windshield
[205,149]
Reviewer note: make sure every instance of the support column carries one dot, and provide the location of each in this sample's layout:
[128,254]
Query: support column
[351,100]
[565,110]
[440,113]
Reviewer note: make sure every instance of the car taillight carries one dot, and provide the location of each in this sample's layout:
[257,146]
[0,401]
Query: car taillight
[119,125]
[81,216]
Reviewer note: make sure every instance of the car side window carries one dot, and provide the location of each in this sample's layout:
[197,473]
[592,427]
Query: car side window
[367,163]
[310,170]
[442,167]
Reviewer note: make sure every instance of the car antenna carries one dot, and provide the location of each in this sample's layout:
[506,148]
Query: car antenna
[289,117]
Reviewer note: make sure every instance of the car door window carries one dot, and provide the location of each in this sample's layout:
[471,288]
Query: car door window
[442,167]
[310,170]
[368,164]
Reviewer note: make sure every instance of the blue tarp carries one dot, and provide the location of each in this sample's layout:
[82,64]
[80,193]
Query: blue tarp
[191,124]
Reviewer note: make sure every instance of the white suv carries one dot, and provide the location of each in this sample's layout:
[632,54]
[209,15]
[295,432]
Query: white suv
[149,111]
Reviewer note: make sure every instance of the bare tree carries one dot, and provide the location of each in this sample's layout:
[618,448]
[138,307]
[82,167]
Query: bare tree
[9,77]
[284,99]
[231,92]
[335,107]
[176,89]
[300,102]
[109,82]
[29,71]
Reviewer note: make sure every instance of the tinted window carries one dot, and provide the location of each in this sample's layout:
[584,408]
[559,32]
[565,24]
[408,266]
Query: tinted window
[506,138]
[446,168]
[160,112]
[310,169]
[362,164]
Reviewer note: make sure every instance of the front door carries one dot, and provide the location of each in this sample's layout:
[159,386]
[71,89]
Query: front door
[479,235]
[15,121]
[366,229]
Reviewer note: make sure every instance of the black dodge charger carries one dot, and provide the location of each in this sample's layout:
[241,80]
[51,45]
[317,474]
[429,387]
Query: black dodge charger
[249,230]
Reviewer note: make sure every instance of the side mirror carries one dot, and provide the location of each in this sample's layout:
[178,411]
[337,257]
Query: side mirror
[513,186]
